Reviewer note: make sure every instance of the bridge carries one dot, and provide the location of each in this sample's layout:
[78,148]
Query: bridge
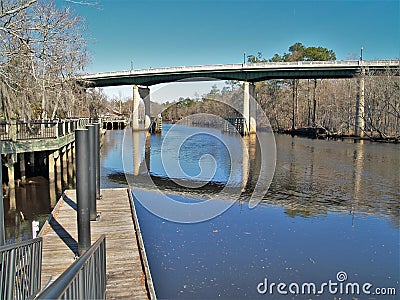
[247,72]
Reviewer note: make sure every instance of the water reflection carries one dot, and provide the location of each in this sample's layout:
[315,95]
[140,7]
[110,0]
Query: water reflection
[332,206]
[32,200]
[312,177]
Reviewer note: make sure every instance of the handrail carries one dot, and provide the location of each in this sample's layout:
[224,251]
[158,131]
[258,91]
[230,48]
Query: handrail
[47,129]
[84,279]
[20,266]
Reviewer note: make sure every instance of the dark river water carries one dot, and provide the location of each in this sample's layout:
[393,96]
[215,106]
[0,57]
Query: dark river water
[332,207]
[332,210]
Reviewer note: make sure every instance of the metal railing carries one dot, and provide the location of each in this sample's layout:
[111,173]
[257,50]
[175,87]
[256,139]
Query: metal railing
[4,136]
[171,70]
[35,130]
[20,266]
[51,129]
[84,279]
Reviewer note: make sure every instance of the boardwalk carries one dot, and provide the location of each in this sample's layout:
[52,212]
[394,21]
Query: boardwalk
[128,276]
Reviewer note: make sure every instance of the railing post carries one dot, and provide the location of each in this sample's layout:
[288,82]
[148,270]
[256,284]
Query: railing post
[82,190]
[56,130]
[97,157]
[92,173]
[64,127]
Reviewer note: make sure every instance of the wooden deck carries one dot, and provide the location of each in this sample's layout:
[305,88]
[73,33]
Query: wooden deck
[128,275]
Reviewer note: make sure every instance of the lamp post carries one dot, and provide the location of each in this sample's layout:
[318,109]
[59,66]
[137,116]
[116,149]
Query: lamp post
[361,52]
[244,57]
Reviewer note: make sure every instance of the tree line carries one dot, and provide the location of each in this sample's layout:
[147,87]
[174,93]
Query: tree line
[329,104]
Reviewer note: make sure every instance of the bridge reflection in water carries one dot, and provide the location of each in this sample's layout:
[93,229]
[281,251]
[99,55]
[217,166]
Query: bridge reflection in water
[310,179]
[235,156]
[332,205]
[307,181]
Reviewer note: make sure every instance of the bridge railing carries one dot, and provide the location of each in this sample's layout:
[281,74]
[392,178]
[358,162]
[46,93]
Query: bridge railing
[247,65]
[84,279]
[20,266]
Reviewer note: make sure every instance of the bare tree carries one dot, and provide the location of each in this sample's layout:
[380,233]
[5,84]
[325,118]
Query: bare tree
[42,49]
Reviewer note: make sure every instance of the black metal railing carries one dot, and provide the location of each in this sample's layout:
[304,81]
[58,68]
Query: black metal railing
[48,129]
[4,136]
[21,266]
[84,279]
[35,130]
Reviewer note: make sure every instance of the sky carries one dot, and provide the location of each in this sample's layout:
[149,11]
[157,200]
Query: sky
[163,33]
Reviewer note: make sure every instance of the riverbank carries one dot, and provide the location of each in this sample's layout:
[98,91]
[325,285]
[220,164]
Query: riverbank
[322,133]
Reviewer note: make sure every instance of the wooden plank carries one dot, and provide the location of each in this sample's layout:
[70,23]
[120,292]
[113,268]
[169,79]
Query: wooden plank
[126,276]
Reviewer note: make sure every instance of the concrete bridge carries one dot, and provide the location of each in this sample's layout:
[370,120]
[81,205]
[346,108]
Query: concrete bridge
[249,73]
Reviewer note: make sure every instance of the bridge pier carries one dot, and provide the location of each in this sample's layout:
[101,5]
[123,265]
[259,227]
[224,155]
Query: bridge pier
[135,108]
[359,121]
[248,114]
[141,93]
[145,95]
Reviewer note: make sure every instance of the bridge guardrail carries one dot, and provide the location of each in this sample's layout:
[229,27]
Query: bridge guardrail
[247,65]
[20,266]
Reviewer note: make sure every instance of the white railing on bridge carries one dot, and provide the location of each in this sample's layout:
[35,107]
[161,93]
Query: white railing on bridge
[250,66]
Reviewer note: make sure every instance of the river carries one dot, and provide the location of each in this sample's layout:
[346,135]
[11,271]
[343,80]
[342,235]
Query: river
[332,209]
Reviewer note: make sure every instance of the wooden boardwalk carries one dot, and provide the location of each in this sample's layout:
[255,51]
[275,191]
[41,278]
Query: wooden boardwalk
[128,275]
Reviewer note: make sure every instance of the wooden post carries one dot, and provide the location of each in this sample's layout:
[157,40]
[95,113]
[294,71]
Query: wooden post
[32,163]
[51,165]
[10,165]
[58,169]
[22,166]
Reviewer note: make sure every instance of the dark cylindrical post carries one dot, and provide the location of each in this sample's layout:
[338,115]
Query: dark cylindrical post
[97,157]
[82,189]
[2,235]
[92,174]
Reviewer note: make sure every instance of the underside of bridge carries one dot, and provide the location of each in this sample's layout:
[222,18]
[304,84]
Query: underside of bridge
[247,73]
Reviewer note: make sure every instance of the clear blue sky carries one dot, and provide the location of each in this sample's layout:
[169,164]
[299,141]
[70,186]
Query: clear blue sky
[163,33]
[187,32]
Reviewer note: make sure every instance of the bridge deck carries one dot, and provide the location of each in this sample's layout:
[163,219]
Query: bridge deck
[128,275]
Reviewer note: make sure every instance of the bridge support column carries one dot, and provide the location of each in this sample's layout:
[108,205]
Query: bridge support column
[136,154]
[359,122]
[248,114]
[145,95]
[135,108]
[253,109]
